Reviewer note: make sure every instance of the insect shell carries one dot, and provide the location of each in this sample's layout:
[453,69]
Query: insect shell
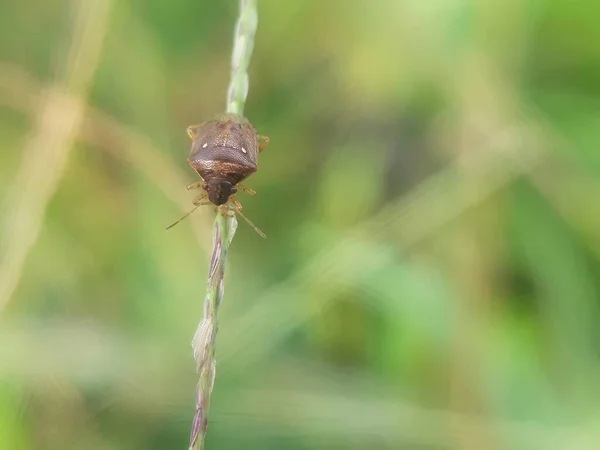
[224,152]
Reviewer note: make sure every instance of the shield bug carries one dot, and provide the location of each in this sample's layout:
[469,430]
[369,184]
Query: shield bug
[224,153]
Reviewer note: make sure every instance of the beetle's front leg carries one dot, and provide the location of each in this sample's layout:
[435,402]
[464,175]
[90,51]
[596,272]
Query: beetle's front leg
[202,199]
[197,185]
[235,206]
[247,190]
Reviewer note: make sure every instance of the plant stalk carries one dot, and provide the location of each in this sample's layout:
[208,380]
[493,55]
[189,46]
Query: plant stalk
[223,231]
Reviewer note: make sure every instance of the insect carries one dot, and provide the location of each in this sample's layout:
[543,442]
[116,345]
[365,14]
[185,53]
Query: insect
[224,153]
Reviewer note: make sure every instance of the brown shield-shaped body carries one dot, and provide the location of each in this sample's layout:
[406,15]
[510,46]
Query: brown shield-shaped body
[224,152]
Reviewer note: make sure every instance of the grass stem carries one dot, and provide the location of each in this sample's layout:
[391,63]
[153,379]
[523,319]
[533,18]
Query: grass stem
[224,229]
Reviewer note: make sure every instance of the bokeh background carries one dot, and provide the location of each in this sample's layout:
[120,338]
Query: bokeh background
[430,195]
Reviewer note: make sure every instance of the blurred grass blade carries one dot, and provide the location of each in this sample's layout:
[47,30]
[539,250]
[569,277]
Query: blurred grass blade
[46,154]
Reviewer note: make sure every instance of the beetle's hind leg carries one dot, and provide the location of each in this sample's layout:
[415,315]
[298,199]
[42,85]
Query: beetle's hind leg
[192,130]
[263,141]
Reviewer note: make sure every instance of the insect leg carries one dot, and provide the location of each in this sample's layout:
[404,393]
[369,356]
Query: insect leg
[196,185]
[247,190]
[237,207]
[198,201]
[263,141]
[192,130]
[202,199]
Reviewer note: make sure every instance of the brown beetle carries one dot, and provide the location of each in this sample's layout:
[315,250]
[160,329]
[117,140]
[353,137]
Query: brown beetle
[224,152]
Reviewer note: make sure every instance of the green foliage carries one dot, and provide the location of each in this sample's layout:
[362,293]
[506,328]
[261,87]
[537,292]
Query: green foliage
[430,277]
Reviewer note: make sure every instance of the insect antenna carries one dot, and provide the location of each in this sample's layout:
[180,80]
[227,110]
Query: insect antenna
[249,222]
[185,216]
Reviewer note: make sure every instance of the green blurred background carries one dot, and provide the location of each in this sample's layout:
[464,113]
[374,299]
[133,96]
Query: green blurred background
[430,196]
